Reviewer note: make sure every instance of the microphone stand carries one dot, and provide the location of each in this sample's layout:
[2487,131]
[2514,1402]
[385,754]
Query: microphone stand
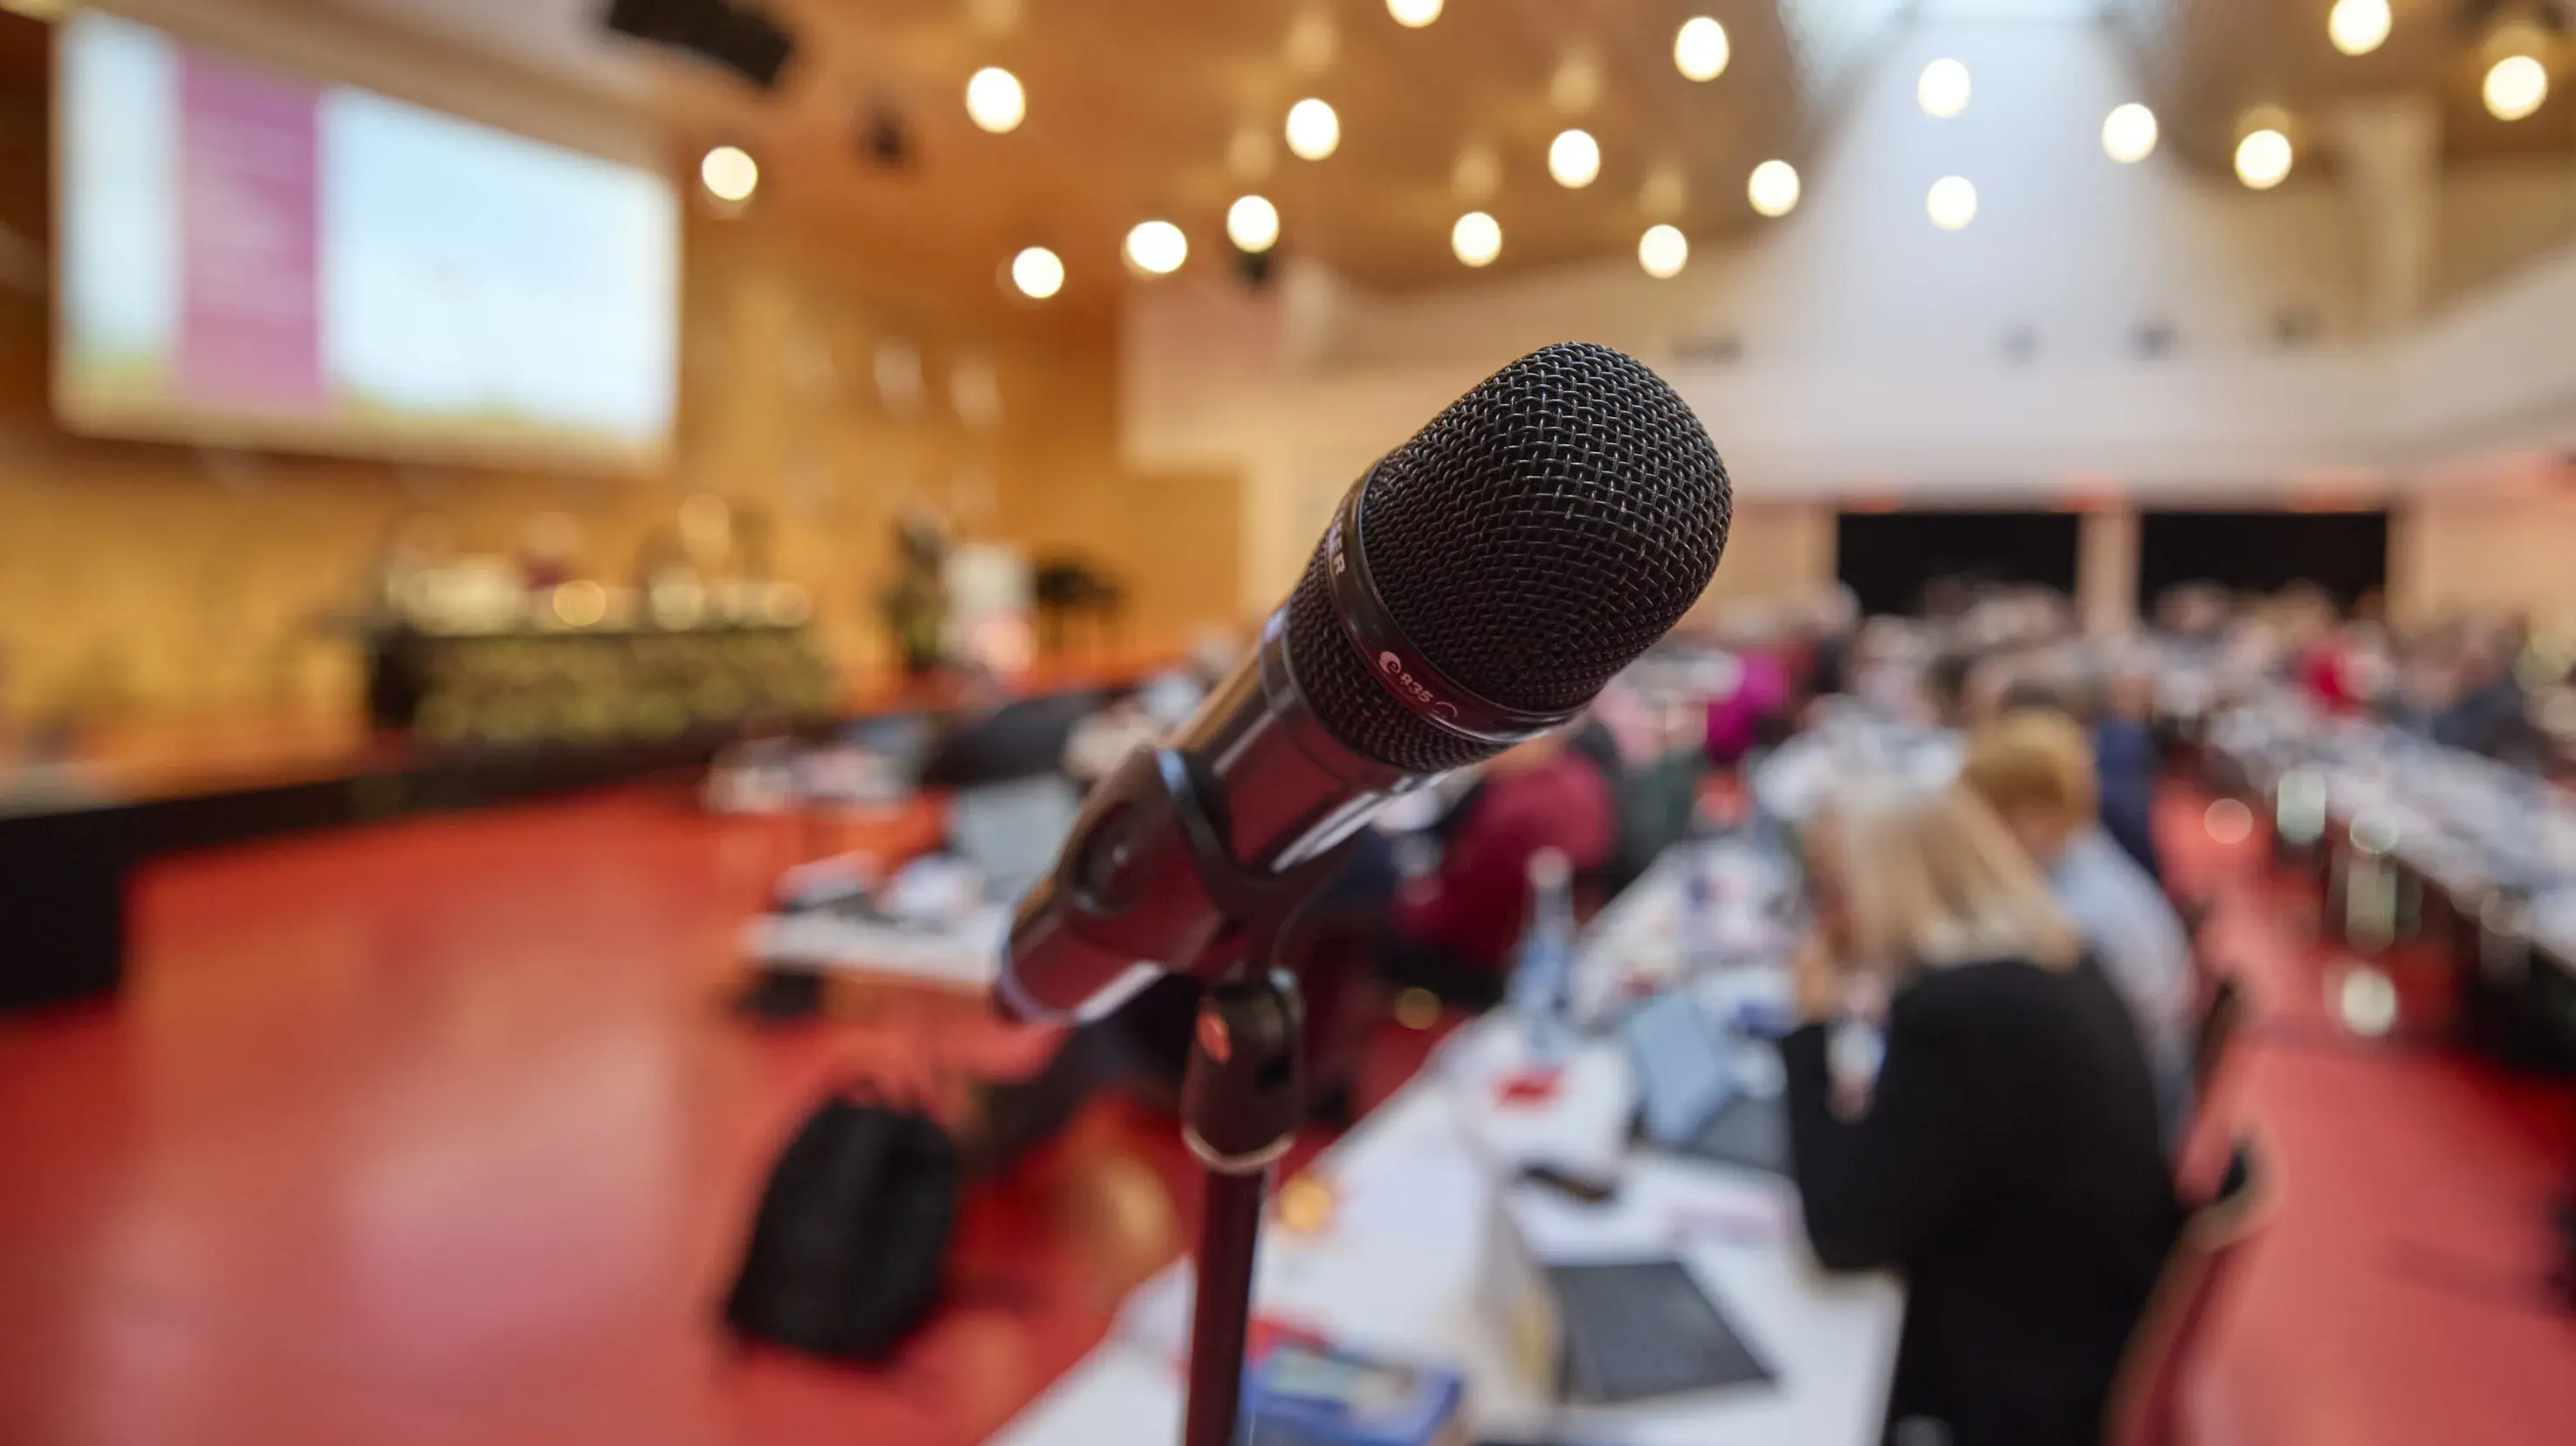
[1243,1097]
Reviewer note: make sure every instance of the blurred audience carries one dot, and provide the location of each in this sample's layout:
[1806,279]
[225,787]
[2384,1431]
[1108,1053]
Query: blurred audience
[1453,925]
[2034,770]
[1754,710]
[2003,1149]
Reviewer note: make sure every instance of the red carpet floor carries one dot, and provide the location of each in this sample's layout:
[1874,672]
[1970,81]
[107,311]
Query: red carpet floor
[439,1133]
[2398,1297]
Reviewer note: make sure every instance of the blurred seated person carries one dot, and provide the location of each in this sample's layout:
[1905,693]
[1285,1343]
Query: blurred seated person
[2487,712]
[1752,713]
[2319,651]
[1996,1141]
[1653,767]
[1833,620]
[2126,763]
[1949,681]
[1454,923]
[2033,769]
[2122,754]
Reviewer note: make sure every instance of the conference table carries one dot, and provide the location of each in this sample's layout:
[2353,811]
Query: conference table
[1406,1262]
[2413,840]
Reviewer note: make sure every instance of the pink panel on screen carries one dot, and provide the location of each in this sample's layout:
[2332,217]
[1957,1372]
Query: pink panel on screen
[249,326]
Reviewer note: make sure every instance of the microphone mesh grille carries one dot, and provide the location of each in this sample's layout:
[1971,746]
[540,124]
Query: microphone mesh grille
[1355,706]
[1548,527]
[1530,542]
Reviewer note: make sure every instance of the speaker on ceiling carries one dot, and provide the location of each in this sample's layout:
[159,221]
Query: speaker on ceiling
[734,34]
[884,137]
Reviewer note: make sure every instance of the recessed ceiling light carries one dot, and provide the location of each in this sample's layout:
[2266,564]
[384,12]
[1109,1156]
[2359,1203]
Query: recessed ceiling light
[1701,49]
[1773,188]
[994,100]
[1476,239]
[2357,26]
[2263,159]
[1252,223]
[1663,251]
[1951,203]
[2515,87]
[1942,89]
[1413,14]
[1574,158]
[1313,130]
[2129,133]
[1157,247]
[1038,273]
[729,173]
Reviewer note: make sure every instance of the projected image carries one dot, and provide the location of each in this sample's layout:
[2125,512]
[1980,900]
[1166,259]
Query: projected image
[247,255]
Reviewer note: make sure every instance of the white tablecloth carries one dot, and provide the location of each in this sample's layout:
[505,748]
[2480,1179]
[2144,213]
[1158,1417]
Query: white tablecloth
[1403,1266]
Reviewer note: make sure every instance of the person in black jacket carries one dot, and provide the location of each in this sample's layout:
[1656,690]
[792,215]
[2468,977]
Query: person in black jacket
[1994,1137]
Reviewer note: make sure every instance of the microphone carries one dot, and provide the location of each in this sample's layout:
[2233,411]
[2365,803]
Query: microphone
[1476,588]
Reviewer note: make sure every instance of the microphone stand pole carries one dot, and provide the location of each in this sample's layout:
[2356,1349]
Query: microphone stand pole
[1242,1099]
[1239,1114]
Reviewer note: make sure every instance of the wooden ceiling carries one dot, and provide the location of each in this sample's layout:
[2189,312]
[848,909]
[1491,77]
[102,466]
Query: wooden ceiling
[1135,108]
[2208,62]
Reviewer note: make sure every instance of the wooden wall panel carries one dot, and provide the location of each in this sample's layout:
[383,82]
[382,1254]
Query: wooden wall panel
[155,579]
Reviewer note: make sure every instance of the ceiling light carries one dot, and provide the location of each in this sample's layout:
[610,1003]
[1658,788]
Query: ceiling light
[1038,273]
[1477,239]
[1413,14]
[1663,251]
[1943,89]
[2129,133]
[2357,26]
[2263,159]
[994,100]
[1574,158]
[1157,247]
[2516,85]
[1313,129]
[1773,188]
[1951,203]
[729,173]
[1252,223]
[1700,49]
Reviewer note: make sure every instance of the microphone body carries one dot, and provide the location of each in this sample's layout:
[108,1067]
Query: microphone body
[1476,588]
[1253,777]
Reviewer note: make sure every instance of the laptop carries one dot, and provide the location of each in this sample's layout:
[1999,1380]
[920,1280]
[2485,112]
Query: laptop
[1688,1099]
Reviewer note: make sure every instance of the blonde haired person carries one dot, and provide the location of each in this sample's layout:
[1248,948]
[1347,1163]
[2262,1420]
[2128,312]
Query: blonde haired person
[2005,1155]
[2035,769]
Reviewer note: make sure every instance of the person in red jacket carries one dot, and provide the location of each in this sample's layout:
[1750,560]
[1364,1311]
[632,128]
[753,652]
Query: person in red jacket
[1453,927]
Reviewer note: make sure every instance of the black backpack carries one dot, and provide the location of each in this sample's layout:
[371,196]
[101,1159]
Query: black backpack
[847,1249]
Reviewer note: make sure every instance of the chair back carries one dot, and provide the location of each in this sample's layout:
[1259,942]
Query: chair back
[2146,1398]
[2215,1035]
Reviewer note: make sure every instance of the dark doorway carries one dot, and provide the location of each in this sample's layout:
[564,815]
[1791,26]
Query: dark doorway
[1887,557]
[2346,553]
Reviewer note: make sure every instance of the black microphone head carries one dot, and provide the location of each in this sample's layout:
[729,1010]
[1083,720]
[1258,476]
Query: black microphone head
[1529,543]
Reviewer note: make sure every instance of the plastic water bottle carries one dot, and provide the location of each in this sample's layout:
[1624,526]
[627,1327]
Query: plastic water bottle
[1541,975]
[1700,946]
